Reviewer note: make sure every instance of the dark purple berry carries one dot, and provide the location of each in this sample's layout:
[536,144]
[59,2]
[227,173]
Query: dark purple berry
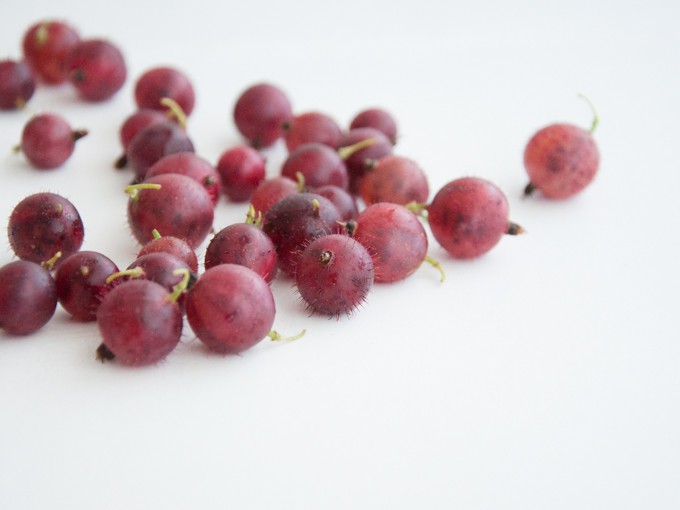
[81,283]
[28,297]
[132,125]
[294,221]
[155,141]
[17,84]
[44,225]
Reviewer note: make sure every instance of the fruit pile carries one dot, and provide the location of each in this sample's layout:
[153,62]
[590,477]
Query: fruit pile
[344,213]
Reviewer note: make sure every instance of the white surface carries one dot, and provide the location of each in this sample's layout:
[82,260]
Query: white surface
[543,375]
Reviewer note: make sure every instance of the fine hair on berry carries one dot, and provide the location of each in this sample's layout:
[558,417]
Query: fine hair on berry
[333,275]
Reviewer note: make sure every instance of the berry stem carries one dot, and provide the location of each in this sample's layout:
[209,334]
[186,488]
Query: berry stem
[49,264]
[529,190]
[596,119]
[277,337]
[77,134]
[252,218]
[300,181]
[348,150]
[514,229]
[435,263]
[121,162]
[133,189]
[181,287]
[418,209]
[350,227]
[317,207]
[104,353]
[135,272]
[175,111]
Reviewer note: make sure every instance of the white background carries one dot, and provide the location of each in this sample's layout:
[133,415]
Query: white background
[542,375]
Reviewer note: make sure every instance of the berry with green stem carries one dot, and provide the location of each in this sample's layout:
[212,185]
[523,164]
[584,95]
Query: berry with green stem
[173,204]
[140,323]
[43,225]
[562,159]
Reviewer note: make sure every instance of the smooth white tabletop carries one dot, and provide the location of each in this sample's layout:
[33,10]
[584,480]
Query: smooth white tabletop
[542,375]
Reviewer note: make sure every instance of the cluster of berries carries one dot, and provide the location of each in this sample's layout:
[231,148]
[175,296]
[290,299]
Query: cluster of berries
[345,212]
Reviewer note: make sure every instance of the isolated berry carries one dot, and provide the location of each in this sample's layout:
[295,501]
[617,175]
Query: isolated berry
[81,283]
[260,112]
[379,119]
[28,297]
[334,274]
[17,84]
[48,140]
[173,204]
[241,171]
[468,216]
[140,323]
[45,225]
[46,46]
[311,127]
[96,68]
[394,179]
[561,160]
[230,308]
[164,82]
